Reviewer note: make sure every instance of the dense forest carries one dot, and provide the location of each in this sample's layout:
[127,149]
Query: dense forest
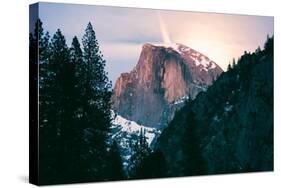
[228,128]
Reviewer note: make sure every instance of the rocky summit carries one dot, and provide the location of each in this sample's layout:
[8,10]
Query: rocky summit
[164,77]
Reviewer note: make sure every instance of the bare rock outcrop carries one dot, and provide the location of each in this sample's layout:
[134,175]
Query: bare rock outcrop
[162,78]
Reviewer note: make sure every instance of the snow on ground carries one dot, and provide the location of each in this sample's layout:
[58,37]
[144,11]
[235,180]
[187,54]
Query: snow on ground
[131,127]
[126,134]
[181,100]
[201,87]
[228,107]
[216,118]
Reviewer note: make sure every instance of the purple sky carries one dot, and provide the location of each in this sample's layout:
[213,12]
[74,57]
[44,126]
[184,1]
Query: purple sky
[122,31]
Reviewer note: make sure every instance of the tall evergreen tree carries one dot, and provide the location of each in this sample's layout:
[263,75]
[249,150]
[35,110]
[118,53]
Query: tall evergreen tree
[47,132]
[97,86]
[233,63]
[116,166]
[141,151]
[268,46]
[59,112]
[76,58]
[74,131]
[38,46]
[229,67]
[41,47]
[96,106]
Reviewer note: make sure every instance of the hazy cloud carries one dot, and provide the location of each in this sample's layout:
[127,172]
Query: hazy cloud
[122,31]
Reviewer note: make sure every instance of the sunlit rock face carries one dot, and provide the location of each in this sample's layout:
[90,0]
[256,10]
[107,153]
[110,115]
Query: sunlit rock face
[163,77]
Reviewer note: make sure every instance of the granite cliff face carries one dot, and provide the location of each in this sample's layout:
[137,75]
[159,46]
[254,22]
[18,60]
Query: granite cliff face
[162,79]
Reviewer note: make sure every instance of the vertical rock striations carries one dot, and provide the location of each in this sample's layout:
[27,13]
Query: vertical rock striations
[161,80]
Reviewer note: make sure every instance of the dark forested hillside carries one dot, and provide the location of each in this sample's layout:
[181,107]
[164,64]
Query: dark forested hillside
[228,128]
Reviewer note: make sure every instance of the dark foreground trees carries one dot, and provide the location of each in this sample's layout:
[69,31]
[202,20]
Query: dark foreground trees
[146,163]
[193,161]
[74,110]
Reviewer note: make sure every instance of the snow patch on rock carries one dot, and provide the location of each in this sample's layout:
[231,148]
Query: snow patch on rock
[126,134]
[131,127]
[181,100]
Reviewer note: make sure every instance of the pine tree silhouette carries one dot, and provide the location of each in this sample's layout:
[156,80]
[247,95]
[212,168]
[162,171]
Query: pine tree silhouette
[74,103]
[116,167]
[96,116]
[141,151]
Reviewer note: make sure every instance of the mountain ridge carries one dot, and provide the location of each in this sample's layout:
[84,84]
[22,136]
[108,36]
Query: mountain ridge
[162,76]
